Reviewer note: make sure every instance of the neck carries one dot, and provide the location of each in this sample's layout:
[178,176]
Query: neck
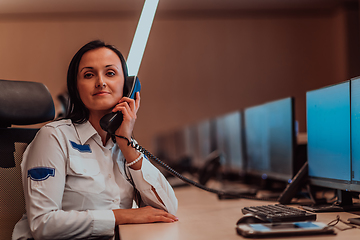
[94,119]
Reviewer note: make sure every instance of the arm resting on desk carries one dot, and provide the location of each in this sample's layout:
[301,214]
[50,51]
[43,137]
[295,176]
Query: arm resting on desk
[155,192]
[142,215]
[154,188]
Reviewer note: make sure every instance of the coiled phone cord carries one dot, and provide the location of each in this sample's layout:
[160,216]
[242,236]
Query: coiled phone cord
[189,181]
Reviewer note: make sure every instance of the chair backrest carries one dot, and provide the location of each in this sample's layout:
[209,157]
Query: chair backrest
[21,103]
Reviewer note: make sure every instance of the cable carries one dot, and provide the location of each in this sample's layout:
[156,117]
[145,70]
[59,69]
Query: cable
[189,181]
[337,220]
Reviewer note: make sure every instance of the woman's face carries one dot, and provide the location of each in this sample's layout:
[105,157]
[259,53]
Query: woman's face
[100,79]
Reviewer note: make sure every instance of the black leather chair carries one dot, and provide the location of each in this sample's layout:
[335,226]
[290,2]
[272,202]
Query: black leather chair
[21,103]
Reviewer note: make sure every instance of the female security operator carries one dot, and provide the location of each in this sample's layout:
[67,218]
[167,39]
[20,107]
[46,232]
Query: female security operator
[79,182]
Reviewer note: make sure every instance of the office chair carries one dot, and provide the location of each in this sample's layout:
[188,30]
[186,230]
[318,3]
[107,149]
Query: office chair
[21,103]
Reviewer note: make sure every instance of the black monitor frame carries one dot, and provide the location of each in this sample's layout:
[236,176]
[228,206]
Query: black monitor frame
[344,189]
[295,164]
[229,130]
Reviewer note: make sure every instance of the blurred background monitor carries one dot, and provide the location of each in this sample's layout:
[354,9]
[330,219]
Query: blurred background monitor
[166,148]
[333,136]
[270,140]
[184,150]
[202,142]
[230,144]
[189,148]
[183,142]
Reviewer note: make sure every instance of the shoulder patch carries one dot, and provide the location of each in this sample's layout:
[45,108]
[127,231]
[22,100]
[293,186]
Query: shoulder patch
[81,148]
[41,173]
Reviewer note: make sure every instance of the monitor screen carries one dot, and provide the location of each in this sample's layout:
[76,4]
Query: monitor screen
[229,141]
[270,139]
[201,137]
[166,147]
[355,133]
[334,141]
[328,126]
[184,143]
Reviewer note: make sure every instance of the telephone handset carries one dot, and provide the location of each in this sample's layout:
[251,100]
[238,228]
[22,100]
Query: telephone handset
[112,121]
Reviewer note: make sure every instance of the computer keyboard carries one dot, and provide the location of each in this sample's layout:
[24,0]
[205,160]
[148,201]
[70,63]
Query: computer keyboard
[280,213]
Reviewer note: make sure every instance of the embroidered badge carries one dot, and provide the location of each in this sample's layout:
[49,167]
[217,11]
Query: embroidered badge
[81,148]
[41,173]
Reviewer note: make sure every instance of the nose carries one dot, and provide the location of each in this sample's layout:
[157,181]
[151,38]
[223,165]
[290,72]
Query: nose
[100,82]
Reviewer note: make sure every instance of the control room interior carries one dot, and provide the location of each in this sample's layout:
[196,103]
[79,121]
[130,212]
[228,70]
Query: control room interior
[203,58]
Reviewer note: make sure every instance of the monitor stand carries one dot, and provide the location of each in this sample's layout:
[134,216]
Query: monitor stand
[344,204]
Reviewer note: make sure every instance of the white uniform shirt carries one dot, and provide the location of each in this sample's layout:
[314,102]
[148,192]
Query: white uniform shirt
[72,182]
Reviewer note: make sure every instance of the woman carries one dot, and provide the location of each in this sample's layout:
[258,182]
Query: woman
[78,181]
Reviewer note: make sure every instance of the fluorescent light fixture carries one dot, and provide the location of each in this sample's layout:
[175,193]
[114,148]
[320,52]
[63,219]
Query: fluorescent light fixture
[141,36]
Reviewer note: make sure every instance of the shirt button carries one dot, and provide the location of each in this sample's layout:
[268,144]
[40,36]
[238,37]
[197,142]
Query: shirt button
[109,175]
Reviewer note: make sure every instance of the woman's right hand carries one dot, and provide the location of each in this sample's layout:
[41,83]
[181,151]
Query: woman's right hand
[142,215]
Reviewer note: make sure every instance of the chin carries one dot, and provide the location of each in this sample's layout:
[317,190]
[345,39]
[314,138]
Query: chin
[101,109]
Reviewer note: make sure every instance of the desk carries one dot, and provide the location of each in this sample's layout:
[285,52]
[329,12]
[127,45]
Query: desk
[202,216]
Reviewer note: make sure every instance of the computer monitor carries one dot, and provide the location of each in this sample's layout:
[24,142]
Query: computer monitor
[166,147]
[202,136]
[333,139]
[184,146]
[355,134]
[270,140]
[229,142]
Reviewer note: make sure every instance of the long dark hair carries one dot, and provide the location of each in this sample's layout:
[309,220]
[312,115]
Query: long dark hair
[77,111]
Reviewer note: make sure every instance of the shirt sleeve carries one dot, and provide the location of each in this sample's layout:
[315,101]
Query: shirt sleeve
[44,175]
[146,178]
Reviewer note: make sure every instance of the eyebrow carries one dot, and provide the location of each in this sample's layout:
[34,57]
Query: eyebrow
[86,67]
[110,65]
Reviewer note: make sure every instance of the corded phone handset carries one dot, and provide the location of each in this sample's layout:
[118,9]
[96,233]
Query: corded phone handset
[112,121]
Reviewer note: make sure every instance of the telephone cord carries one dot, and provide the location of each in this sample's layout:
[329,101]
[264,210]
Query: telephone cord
[178,175]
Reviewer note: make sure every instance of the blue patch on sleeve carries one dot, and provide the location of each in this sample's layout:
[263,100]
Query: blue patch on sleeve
[41,173]
[81,148]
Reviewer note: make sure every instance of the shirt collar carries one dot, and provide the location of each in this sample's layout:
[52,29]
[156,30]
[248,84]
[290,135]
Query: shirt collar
[86,131]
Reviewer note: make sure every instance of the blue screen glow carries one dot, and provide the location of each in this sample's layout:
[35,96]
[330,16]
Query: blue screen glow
[328,126]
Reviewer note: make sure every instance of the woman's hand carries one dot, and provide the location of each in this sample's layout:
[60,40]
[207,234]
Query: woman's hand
[142,215]
[128,107]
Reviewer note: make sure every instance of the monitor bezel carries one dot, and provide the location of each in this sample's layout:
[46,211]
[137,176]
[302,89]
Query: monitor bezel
[271,175]
[332,183]
[230,168]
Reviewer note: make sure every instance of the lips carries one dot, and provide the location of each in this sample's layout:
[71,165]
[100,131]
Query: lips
[101,93]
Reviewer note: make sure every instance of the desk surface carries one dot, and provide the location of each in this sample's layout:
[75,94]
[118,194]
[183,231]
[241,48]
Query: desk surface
[202,216]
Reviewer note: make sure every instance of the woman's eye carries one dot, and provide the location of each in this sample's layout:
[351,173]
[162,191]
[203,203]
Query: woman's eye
[88,75]
[110,74]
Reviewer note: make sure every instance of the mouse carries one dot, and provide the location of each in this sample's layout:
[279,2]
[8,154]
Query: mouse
[251,218]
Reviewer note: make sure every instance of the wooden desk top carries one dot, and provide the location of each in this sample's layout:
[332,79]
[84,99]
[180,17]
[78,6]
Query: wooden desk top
[202,216]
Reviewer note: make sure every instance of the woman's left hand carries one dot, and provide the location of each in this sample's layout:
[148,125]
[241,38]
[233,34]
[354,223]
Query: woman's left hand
[128,107]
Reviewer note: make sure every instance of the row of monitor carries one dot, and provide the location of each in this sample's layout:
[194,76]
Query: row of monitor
[261,140]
